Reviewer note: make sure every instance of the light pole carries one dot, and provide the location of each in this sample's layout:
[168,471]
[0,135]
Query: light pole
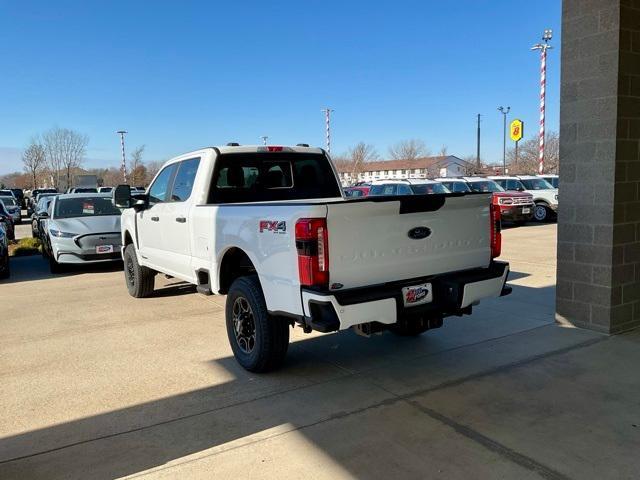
[478,147]
[505,112]
[327,120]
[543,47]
[264,139]
[123,167]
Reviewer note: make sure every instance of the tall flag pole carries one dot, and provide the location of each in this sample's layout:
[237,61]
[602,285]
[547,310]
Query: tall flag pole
[543,47]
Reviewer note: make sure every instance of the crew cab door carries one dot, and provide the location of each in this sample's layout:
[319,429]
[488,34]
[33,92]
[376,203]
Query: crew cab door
[153,221]
[176,227]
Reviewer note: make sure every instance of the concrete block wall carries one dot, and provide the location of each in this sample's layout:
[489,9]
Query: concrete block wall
[598,284]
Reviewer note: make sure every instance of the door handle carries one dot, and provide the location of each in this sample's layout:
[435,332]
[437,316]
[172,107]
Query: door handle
[181,220]
[155,219]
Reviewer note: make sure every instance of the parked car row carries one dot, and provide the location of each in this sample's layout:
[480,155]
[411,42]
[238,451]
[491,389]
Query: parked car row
[81,226]
[519,198]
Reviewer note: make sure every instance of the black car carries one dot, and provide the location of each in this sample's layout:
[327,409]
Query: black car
[4,253]
[33,201]
[19,194]
[40,212]
[6,222]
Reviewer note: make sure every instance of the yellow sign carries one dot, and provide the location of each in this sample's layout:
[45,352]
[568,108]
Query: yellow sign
[516,129]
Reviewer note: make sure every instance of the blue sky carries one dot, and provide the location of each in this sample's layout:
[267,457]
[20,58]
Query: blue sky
[187,74]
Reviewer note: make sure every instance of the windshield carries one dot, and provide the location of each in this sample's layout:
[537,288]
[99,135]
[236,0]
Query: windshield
[8,201]
[85,190]
[429,188]
[485,186]
[84,207]
[536,184]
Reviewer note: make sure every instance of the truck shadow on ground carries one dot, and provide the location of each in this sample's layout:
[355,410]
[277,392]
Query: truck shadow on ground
[324,379]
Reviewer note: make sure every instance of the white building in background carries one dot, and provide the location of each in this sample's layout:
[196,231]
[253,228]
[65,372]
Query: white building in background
[426,167]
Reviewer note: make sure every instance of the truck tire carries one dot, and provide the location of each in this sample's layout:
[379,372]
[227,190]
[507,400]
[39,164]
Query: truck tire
[139,279]
[259,341]
[541,212]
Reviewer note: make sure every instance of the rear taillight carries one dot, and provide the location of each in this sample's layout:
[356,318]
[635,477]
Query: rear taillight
[496,227]
[312,243]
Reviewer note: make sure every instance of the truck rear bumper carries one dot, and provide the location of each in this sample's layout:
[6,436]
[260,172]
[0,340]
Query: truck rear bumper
[453,294]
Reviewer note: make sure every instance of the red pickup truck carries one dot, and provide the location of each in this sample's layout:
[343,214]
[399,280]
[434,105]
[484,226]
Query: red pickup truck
[515,207]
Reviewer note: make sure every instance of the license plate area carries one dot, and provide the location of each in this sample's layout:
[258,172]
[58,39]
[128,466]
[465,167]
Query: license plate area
[100,249]
[417,294]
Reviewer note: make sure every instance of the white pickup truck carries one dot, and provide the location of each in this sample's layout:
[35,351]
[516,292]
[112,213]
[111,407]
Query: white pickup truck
[269,227]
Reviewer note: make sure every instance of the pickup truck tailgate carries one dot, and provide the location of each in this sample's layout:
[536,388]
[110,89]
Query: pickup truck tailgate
[370,242]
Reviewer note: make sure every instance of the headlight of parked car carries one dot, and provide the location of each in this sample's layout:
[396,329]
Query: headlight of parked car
[505,201]
[59,234]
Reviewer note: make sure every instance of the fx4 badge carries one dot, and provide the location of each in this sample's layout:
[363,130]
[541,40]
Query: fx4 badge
[273,226]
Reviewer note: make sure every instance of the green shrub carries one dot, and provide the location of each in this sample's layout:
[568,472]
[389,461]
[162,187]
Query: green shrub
[24,247]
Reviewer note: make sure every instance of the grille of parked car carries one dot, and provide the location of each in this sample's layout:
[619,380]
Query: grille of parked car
[88,242]
[522,200]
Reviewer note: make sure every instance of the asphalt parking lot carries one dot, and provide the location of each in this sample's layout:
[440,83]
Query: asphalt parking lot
[96,384]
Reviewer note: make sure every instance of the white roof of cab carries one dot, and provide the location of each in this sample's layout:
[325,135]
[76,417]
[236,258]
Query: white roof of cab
[258,148]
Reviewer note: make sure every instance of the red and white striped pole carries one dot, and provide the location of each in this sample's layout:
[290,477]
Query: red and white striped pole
[327,120]
[543,87]
[543,47]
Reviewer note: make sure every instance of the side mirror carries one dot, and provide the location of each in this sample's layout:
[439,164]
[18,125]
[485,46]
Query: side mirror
[44,214]
[138,203]
[121,196]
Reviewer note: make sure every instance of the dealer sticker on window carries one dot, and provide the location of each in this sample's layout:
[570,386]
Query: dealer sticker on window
[417,295]
[104,249]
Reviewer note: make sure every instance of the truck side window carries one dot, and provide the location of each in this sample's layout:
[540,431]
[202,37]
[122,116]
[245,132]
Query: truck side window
[159,189]
[512,185]
[183,183]
[404,190]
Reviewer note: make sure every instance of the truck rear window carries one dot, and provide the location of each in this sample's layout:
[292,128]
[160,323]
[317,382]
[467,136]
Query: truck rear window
[272,176]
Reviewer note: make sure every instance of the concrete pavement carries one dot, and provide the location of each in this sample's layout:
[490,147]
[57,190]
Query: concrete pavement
[99,385]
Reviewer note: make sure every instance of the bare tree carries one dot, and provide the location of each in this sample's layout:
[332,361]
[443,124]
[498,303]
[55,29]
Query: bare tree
[136,166]
[34,160]
[444,151]
[358,155]
[408,150]
[65,150]
[153,168]
[527,162]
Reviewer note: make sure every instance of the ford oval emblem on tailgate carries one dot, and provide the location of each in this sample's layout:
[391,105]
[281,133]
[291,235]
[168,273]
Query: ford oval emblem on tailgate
[418,233]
